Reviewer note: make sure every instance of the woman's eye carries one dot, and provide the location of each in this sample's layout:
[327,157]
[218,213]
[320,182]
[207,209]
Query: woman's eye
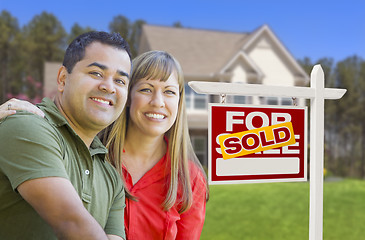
[170,92]
[145,90]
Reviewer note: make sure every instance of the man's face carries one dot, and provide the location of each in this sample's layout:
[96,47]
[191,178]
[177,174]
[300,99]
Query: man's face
[94,94]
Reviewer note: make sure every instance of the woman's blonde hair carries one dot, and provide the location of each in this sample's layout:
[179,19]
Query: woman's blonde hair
[160,65]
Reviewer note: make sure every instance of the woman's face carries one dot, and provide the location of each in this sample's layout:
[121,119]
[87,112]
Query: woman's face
[153,106]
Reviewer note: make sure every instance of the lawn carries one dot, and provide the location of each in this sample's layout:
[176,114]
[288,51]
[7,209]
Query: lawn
[280,211]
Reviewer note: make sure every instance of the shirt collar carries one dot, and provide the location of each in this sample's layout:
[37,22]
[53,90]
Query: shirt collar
[55,117]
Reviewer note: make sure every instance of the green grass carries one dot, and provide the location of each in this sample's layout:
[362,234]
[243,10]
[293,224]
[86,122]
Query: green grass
[280,211]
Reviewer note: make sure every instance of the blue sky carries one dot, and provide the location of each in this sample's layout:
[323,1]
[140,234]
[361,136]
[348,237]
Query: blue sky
[309,28]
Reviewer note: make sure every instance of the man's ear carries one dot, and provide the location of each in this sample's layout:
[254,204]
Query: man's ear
[61,78]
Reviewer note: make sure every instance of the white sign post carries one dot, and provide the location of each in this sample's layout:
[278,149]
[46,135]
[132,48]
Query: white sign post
[317,94]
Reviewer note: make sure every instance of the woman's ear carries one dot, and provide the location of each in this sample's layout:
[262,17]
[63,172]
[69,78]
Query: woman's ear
[61,78]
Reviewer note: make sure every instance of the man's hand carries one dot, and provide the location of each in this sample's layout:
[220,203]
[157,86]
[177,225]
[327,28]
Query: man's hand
[58,203]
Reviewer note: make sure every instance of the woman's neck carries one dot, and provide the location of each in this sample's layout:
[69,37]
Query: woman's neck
[142,153]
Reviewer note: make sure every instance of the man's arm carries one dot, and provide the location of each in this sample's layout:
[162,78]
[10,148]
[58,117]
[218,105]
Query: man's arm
[56,201]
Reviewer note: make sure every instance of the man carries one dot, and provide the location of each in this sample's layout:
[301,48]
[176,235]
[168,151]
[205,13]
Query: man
[54,181]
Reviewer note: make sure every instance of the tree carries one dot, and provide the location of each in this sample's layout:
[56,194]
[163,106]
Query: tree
[131,32]
[349,118]
[362,121]
[306,64]
[135,35]
[77,30]
[120,24]
[9,29]
[177,24]
[344,124]
[45,40]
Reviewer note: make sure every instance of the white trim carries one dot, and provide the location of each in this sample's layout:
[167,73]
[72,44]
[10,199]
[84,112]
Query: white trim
[262,90]
[248,60]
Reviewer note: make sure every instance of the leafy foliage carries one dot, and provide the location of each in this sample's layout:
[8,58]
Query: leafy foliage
[344,119]
[77,30]
[130,31]
[9,36]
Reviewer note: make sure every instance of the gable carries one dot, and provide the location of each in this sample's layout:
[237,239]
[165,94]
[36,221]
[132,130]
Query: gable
[275,61]
[242,69]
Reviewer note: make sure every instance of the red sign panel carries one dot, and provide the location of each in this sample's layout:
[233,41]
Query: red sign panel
[236,128]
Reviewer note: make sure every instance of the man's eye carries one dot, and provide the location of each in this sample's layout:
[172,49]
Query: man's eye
[97,74]
[120,81]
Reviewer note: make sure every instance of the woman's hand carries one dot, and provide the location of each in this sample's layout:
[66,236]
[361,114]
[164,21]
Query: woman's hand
[10,107]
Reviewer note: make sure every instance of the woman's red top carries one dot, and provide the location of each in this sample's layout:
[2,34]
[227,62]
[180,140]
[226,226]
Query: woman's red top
[146,219]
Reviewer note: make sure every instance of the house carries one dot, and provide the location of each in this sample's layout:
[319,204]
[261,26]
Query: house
[257,57]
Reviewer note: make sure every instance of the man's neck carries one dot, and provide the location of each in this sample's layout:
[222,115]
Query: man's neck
[86,138]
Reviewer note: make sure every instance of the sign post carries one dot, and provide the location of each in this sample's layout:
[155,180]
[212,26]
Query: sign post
[316,156]
[317,94]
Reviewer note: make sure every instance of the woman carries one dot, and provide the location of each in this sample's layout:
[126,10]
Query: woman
[150,146]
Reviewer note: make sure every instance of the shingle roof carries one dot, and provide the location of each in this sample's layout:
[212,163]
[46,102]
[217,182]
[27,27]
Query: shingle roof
[200,52]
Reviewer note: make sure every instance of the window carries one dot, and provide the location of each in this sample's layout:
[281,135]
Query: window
[272,101]
[199,145]
[194,100]
[239,99]
[286,101]
[276,101]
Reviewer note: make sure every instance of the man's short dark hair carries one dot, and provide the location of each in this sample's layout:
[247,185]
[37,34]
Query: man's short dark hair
[75,52]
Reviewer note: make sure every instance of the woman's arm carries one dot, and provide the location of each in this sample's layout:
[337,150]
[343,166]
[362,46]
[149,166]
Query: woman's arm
[10,107]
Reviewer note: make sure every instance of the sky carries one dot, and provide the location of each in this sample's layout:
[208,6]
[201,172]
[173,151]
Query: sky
[311,28]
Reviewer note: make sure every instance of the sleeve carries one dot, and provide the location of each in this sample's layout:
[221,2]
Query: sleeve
[115,222]
[191,222]
[30,149]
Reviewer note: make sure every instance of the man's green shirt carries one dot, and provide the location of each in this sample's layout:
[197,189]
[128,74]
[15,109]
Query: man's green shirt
[33,147]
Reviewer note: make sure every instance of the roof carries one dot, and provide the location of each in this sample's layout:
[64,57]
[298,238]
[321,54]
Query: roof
[200,52]
[207,53]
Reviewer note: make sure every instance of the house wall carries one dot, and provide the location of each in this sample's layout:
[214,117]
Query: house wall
[275,70]
[50,79]
[239,74]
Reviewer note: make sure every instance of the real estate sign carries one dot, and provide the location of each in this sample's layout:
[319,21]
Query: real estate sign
[257,144]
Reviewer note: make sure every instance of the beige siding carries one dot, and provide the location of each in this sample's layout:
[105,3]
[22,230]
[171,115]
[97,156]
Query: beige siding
[50,78]
[275,70]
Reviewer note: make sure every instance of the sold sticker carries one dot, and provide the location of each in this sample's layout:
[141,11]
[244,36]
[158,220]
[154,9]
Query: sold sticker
[256,140]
